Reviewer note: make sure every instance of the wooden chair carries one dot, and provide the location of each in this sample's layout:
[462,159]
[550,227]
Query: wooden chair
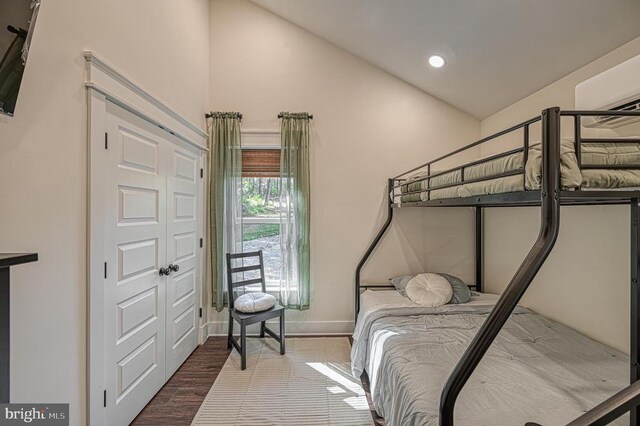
[245,319]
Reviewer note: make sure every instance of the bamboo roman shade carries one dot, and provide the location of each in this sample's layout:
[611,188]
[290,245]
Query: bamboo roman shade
[260,163]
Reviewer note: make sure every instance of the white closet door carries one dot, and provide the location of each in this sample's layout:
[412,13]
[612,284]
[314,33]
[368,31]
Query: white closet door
[135,240]
[182,249]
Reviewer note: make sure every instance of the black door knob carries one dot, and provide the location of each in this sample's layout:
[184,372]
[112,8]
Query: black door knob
[165,271]
[174,268]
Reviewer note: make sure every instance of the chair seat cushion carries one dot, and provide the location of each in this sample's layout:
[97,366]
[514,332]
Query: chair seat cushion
[254,302]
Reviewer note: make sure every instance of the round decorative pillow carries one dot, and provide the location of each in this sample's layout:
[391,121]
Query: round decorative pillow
[254,302]
[429,290]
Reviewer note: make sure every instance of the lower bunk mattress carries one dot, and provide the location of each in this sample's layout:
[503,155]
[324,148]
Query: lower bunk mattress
[416,187]
[537,370]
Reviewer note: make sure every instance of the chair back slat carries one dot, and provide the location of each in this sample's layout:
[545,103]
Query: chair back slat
[231,285]
[247,282]
[248,254]
[245,268]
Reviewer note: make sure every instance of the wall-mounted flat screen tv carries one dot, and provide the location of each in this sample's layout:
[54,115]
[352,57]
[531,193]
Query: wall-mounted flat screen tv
[17,21]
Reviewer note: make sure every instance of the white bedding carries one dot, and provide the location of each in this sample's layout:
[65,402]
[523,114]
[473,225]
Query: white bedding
[374,300]
[537,370]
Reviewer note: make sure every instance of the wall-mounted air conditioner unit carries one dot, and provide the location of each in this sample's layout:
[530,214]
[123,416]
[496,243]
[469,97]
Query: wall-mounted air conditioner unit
[617,88]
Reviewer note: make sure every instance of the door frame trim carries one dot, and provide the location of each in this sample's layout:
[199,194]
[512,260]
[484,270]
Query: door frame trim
[114,90]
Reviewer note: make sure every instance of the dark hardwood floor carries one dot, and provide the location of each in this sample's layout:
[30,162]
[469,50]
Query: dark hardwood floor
[177,403]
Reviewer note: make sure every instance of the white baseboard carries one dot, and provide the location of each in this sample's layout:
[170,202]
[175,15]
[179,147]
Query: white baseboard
[306,328]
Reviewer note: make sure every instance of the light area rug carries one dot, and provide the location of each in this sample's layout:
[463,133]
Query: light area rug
[310,385]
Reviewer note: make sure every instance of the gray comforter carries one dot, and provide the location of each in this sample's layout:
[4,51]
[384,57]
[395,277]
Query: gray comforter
[536,370]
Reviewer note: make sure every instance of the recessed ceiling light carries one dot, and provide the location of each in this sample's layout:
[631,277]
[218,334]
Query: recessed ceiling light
[436,61]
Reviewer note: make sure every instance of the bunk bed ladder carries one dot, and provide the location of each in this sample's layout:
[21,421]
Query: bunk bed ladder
[549,228]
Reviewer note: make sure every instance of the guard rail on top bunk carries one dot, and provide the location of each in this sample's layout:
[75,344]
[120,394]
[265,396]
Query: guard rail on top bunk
[549,197]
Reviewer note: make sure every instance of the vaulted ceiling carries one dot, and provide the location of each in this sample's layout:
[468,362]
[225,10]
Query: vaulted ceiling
[496,51]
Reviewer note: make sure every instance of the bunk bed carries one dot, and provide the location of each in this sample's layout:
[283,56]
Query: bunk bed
[551,173]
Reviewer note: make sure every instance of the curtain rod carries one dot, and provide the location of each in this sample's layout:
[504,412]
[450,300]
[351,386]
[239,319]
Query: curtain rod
[280,115]
[295,115]
[230,114]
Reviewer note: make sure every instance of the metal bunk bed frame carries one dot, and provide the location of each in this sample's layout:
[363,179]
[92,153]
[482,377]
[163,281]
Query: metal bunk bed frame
[550,197]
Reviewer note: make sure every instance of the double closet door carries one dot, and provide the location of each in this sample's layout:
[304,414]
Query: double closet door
[152,247]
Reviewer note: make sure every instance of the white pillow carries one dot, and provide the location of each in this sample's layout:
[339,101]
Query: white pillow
[429,290]
[254,302]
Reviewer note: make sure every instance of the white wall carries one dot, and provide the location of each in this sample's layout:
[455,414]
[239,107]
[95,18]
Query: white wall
[585,282]
[163,46]
[368,127]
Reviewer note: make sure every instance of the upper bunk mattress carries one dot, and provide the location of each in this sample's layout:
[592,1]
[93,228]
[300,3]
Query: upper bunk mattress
[610,155]
[572,176]
[536,370]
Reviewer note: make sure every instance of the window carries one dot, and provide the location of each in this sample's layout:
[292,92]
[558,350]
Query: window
[261,209]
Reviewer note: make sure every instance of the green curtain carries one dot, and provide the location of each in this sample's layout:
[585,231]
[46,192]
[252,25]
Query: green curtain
[295,211]
[224,201]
